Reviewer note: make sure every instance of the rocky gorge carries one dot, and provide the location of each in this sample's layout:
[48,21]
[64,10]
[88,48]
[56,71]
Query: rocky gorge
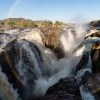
[50,64]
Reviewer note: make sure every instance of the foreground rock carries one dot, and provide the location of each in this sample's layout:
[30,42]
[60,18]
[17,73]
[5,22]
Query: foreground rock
[65,89]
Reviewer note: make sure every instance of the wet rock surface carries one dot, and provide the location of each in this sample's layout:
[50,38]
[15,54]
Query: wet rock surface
[83,62]
[92,82]
[65,89]
[95,56]
[59,52]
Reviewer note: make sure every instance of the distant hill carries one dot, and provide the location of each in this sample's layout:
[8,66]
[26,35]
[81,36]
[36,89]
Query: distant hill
[22,22]
[19,20]
[16,20]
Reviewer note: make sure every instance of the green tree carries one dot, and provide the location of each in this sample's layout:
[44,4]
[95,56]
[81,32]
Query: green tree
[10,23]
[26,24]
[57,23]
[47,24]
[31,24]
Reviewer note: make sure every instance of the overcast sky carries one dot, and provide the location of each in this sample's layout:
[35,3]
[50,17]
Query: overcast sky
[62,10]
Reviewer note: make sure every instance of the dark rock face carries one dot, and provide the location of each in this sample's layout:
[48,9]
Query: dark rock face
[65,89]
[83,62]
[95,56]
[92,82]
[59,52]
[16,63]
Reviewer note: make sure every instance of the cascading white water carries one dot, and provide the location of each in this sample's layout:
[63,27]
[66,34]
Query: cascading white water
[23,71]
[70,43]
[67,39]
[71,40]
[57,68]
[62,68]
[4,38]
[65,66]
[86,95]
[42,84]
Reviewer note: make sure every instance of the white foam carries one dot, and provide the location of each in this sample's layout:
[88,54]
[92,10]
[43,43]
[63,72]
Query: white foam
[86,95]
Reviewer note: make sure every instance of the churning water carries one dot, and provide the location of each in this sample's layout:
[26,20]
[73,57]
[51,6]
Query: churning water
[45,67]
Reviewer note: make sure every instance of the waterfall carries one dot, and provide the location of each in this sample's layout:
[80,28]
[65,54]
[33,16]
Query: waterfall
[72,38]
[64,66]
[25,64]
[66,39]
[26,51]
[37,67]
[42,84]
[85,93]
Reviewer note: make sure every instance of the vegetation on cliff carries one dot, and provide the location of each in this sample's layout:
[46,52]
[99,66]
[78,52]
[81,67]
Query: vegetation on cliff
[21,23]
[51,36]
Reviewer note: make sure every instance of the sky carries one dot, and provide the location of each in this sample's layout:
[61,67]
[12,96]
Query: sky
[61,10]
